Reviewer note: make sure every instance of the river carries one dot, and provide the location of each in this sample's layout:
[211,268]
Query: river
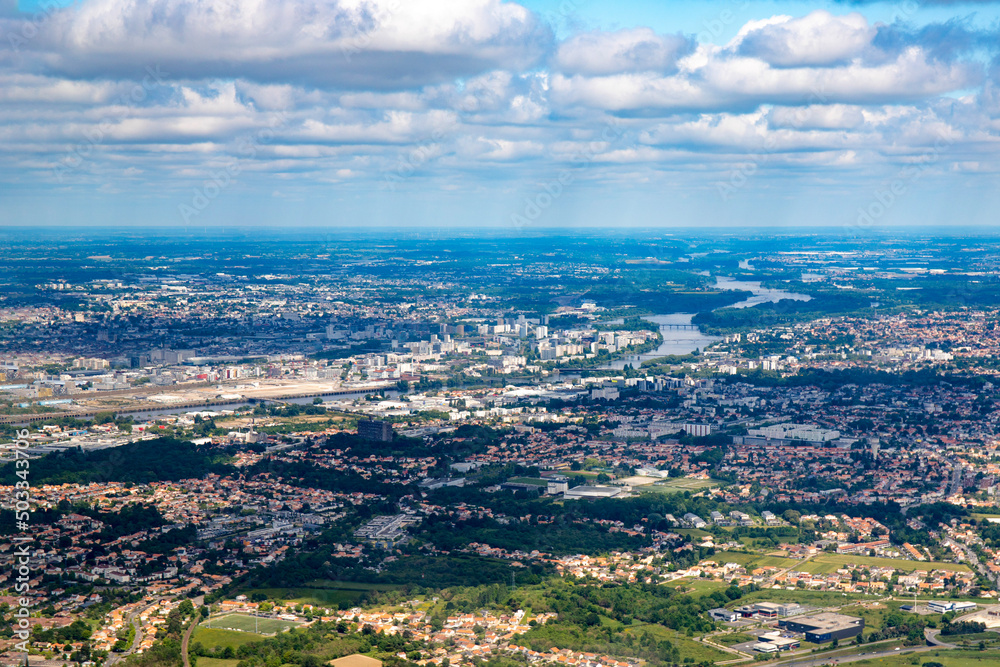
[679,337]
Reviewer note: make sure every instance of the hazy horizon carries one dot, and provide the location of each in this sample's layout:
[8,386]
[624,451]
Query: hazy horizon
[490,114]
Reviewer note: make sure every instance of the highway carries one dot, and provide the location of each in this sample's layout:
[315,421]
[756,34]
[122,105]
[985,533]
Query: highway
[834,659]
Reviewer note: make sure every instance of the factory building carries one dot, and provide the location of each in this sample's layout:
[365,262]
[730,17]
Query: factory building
[825,627]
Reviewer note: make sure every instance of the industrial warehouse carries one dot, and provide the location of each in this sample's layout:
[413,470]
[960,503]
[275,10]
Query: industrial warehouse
[825,627]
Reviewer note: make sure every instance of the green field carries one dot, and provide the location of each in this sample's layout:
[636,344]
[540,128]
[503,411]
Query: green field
[827,563]
[216,662]
[679,485]
[528,480]
[694,586]
[750,561]
[991,638]
[693,533]
[212,637]
[803,597]
[734,557]
[875,616]
[733,638]
[688,647]
[250,624]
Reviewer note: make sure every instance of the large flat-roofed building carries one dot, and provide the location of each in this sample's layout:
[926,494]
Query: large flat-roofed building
[807,432]
[778,641]
[825,627]
[578,492]
[371,429]
[944,606]
[722,614]
[776,609]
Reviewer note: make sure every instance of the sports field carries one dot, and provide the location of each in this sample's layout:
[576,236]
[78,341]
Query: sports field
[528,480]
[245,623]
[679,485]
[212,637]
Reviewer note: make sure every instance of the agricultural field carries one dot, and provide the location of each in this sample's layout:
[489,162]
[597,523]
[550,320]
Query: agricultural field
[827,563]
[697,586]
[751,561]
[250,624]
[734,557]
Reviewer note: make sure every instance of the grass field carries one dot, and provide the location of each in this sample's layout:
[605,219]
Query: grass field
[693,533]
[827,563]
[751,561]
[731,638]
[688,647]
[679,485]
[698,586]
[989,638]
[528,480]
[250,624]
[212,637]
[875,615]
[812,598]
[734,557]
[216,662]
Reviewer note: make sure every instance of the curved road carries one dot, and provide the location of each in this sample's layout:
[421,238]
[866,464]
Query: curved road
[136,640]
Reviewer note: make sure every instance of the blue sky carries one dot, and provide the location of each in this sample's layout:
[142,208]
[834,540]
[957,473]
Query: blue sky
[354,113]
